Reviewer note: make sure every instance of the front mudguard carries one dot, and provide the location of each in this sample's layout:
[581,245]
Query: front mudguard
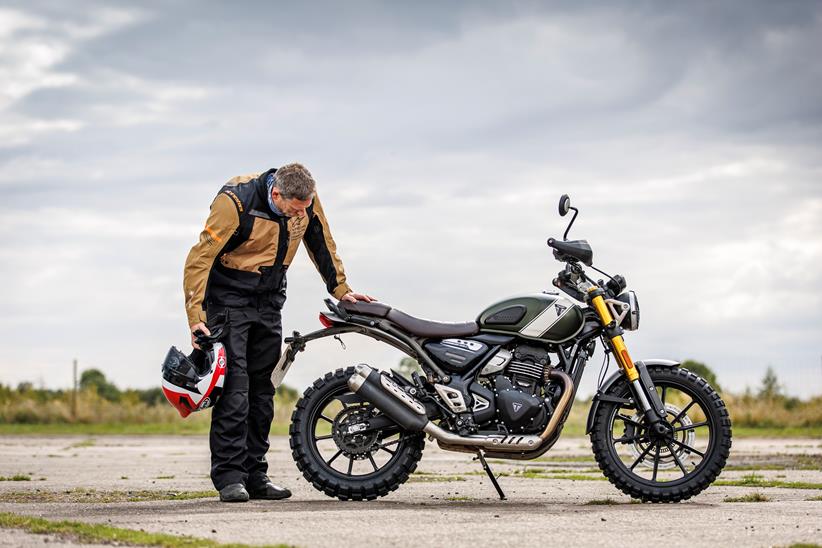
[602,393]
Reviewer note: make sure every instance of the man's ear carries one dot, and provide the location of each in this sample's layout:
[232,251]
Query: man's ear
[275,192]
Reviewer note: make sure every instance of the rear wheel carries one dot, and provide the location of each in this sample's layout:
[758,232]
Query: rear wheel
[667,466]
[335,451]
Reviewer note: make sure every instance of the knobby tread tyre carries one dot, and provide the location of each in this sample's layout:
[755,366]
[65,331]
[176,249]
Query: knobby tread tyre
[375,485]
[706,472]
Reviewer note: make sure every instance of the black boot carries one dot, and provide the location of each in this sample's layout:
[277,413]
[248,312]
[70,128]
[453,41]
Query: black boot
[234,492]
[268,491]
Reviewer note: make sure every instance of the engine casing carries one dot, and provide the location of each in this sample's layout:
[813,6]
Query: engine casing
[519,411]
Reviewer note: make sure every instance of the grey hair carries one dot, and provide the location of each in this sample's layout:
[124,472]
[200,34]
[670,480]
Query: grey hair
[294,181]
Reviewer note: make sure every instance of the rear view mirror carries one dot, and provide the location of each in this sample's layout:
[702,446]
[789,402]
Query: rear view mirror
[564,205]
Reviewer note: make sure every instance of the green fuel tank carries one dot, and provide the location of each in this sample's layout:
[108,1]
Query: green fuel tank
[547,317]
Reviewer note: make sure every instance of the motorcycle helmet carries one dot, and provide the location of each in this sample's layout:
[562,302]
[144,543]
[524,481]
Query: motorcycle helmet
[194,382]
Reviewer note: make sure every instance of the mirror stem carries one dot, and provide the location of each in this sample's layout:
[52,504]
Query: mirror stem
[574,218]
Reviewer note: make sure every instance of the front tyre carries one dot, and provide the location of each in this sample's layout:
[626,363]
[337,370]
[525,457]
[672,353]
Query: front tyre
[667,467]
[336,453]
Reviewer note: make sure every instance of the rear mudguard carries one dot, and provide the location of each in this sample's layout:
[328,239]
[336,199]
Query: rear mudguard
[297,342]
[602,393]
[369,327]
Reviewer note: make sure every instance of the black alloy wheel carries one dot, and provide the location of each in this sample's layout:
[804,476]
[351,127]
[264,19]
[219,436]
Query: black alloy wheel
[336,453]
[671,461]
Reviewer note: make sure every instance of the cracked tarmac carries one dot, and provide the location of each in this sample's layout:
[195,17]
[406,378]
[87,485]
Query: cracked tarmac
[431,510]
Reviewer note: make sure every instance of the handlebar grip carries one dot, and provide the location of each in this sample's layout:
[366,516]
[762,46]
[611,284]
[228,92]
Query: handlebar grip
[551,242]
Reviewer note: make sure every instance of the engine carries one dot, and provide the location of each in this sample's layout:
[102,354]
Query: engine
[522,404]
[519,411]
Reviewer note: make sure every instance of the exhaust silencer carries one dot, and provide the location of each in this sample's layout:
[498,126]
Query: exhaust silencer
[388,397]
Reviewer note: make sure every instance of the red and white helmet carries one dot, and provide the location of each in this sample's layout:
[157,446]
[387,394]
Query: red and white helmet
[194,382]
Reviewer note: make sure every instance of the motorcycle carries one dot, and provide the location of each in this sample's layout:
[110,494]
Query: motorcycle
[502,386]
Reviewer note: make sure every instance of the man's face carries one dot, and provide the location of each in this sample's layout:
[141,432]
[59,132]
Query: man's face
[291,207]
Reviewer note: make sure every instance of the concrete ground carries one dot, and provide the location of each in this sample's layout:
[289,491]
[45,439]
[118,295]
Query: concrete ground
[448,504]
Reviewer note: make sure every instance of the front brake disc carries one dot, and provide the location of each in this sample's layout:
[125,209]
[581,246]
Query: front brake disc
[666,459]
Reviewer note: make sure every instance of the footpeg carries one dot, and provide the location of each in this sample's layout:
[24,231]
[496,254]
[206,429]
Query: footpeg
[481,457]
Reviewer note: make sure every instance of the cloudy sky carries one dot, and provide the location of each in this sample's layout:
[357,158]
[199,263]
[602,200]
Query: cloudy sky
[441,138]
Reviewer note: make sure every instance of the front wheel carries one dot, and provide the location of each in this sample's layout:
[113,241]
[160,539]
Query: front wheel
[670,466]
[337,452]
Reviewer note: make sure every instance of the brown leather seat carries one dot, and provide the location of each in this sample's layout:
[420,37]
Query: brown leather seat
[416,326]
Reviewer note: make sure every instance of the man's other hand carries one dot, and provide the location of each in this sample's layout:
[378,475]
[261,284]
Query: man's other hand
[354,297]
[198,327]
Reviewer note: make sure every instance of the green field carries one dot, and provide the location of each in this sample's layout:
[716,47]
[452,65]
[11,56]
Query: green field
[100,408]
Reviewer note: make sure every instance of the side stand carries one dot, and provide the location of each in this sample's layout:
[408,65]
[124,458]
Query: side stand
[481,457]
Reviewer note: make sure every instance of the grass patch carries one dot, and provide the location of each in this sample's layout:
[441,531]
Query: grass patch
[753,497]
[164,477]
[426,477]
[103,429]
[95,533]
[94,496]
[181,427]
[16,477]
[751,479]
[483,474]
[814,432]
[531,473]
[536,473]
[459,499]
[601,502]
[819,498]
[755,480]
[577,477]
[90,442]
[581,458]
[755,467]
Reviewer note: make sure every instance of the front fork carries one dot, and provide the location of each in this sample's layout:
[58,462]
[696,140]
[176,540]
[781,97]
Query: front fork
[642,386]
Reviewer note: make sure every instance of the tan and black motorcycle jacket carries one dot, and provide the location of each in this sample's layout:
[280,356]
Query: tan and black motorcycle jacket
[245,249]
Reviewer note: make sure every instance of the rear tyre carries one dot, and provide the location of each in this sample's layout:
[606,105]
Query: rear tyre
[666,467]
[342,464]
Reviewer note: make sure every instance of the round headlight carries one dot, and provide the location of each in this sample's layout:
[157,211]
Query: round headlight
[631,320]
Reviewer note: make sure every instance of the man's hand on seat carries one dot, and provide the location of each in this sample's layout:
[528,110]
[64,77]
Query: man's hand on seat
[353,297]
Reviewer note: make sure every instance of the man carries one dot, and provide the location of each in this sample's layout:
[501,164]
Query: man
[236,271]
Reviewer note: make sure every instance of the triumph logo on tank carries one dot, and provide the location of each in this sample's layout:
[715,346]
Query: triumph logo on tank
[560,309]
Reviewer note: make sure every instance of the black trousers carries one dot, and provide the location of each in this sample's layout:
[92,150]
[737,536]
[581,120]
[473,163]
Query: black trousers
[241,419]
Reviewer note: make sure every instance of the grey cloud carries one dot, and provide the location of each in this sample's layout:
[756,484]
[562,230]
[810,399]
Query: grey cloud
[442,135]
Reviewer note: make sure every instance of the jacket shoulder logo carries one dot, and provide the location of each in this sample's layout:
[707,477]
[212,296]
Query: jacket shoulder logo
[236,199]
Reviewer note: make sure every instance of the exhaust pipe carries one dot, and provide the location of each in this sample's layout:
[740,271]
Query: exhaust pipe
[388,397]
[409,413]
[509,443]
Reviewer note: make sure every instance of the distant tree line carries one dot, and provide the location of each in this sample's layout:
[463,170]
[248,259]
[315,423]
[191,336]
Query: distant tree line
[98,400]
[94,380]
[91,379]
